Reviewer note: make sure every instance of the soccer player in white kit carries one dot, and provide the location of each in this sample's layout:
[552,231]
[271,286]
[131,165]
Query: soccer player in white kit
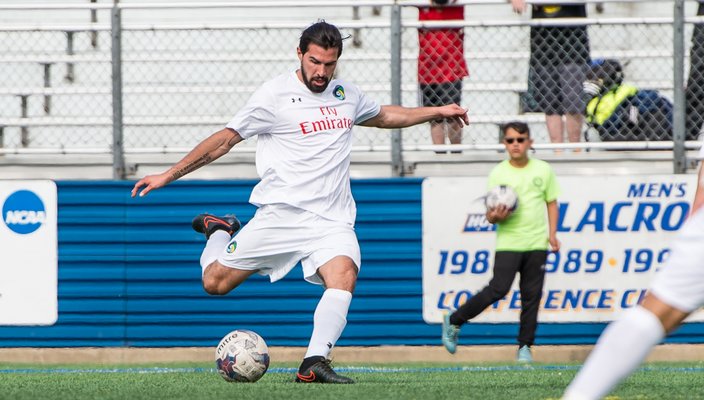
[303,121]
[676,291]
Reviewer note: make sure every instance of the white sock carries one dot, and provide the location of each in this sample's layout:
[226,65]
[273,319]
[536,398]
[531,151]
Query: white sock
[215,245]
[329,320]
[622,347]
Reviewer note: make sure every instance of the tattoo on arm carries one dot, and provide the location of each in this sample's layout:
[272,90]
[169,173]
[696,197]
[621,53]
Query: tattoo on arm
[192,166]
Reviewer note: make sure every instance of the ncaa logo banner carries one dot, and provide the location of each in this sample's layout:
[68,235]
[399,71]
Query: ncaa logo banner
[615,233]
[28,253]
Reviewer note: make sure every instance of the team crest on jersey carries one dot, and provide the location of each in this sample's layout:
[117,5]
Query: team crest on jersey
[339,92]
[231,247]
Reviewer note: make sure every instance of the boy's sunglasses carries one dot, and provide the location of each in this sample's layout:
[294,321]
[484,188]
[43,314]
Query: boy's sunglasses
[511,140]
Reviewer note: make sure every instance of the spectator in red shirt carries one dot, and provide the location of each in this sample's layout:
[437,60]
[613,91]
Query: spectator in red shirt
[441,66]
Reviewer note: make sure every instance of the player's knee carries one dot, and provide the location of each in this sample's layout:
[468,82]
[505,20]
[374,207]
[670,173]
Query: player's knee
[347,280]
[214,286]
[344,279]
[349,274]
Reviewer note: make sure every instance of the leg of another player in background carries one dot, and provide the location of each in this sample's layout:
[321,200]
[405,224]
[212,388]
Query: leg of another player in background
[531,287]
[623,346]
[677,289]
[505,268]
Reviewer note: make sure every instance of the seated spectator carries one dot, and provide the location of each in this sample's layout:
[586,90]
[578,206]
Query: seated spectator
[620,111]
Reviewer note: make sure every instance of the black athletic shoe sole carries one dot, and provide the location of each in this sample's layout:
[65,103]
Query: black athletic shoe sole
[207,224]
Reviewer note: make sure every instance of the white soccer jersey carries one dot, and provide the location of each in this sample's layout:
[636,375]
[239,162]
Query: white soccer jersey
[304,142]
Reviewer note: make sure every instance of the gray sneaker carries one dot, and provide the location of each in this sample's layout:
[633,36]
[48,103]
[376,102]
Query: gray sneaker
[524,355]
[450,334]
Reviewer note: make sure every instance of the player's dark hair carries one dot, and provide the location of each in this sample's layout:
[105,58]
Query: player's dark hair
[518,126]
[321,34]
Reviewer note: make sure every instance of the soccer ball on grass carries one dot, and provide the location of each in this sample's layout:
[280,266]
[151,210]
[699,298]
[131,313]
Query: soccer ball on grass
[242,356]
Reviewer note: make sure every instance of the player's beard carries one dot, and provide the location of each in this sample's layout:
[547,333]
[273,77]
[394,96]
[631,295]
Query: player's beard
[309,83]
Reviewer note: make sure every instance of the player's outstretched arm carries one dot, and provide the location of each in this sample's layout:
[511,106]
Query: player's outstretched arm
[207,151]
[392,116]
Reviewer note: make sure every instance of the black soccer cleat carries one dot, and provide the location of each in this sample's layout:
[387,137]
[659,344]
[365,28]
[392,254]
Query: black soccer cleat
[207,224]
[321,372]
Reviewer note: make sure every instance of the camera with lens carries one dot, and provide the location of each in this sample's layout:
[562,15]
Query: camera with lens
[440,2]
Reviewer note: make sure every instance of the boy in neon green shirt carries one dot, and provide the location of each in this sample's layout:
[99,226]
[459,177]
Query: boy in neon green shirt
[522,239]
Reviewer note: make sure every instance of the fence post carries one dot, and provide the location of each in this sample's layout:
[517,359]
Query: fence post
[396,135]
[47,84]
[24,130]
[69,52]
[93,19]
[356,32]
[118,156]
[678,127]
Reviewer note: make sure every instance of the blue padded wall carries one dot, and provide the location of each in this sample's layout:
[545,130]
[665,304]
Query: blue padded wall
[129,275]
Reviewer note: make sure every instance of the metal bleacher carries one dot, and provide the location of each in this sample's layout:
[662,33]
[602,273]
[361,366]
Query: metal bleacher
[187,70]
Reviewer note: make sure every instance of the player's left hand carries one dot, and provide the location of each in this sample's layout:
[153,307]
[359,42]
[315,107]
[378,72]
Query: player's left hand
[554,244]
[456,113]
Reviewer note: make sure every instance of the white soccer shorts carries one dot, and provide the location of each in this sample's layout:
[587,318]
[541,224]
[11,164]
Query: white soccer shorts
[279,236]
[680,283]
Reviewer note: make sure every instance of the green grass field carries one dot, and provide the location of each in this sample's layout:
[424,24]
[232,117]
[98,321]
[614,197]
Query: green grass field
[387,381]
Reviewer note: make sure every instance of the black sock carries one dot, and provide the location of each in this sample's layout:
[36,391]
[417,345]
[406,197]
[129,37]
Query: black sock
[308,361]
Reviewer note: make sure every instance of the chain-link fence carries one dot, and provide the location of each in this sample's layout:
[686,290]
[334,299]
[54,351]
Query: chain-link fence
[186,71]
[55,84]
[524,72]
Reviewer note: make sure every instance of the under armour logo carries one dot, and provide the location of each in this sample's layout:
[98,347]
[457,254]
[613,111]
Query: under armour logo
[329,345]
[293,100]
